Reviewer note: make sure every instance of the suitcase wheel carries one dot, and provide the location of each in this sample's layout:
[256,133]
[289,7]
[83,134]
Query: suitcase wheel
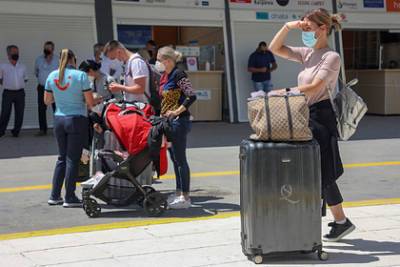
[258,259]
[322,255]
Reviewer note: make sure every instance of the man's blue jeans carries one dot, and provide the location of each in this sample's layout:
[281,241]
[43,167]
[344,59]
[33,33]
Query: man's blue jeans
[71,133]
[264,86]
[180,129]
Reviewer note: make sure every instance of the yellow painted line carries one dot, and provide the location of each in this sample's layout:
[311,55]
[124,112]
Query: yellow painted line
[148,222]
[116,225]
[372,164]
[165,177]
[24,188]
[228,173]
[371,202]
[201,174]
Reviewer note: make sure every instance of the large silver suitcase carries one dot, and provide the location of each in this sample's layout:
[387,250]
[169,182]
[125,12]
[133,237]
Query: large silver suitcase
[280,198]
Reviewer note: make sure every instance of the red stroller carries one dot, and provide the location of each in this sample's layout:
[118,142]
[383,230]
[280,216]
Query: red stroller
[136,140]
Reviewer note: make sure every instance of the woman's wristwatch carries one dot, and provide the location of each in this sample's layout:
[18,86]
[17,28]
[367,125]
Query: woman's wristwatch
[287,89]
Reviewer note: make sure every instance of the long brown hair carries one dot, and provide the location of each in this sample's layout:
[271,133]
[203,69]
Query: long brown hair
[321,16]
[66,56]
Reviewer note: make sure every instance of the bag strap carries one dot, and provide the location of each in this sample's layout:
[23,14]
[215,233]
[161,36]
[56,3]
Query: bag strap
[137,56]
[289,112]
[129,65]
[332,97]
[150,80]
[268,117]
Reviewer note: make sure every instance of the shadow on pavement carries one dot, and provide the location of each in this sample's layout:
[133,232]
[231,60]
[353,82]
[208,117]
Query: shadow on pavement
[28,145]
[203,134]
[378,127]
[212,134]
[224,134]
[369,251]
[202,206]
[335,258]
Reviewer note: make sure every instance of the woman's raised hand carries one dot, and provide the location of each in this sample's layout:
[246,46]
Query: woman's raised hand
[297,24]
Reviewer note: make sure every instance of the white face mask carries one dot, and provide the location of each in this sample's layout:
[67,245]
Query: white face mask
[159,66]
[91,79]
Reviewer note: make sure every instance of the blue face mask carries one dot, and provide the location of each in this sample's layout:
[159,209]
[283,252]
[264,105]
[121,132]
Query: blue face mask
[309,39]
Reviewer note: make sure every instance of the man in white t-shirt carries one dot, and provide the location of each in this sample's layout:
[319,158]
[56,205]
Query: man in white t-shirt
[136,85]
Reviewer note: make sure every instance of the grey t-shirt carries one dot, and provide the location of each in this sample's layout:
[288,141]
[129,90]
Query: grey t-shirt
[323,64]
[99,86]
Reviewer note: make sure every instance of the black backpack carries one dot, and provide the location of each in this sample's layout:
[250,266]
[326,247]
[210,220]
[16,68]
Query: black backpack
[154,81]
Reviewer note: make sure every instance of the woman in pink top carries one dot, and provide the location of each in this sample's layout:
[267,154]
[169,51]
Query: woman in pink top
[320,73]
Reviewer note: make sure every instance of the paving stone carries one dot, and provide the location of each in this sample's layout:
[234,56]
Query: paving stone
[67,255]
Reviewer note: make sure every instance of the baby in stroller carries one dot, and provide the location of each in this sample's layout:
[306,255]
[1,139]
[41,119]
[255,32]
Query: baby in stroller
[125,144]
[104,140]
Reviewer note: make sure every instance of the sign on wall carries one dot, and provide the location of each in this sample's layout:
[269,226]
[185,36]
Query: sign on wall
[347,4]
[178,3]
[241,1]
[280,4]
[374,3]
[189,51]
[279,16]
[134,36]
[393,5]
[365,5]
[203,94]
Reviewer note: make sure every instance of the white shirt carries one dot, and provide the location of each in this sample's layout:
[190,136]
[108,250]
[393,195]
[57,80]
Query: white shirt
[107,65]
[136,68]
[14,77]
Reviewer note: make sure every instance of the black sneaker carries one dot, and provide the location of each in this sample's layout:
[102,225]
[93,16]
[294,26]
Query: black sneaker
[57,201]
[72,203]
[338,231]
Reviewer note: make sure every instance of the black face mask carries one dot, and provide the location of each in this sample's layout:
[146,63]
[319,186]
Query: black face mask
[46,52]
[15,57]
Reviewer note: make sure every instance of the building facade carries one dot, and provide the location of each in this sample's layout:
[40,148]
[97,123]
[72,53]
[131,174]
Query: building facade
[240,24]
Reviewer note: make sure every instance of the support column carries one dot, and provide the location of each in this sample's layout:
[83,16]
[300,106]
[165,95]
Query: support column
[104,20]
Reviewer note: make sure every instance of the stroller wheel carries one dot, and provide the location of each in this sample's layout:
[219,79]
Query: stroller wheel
[148,189]
[92,208]
[154,204]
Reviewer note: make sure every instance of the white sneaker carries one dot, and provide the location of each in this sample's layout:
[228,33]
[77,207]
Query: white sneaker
[180,203]
[54,202]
